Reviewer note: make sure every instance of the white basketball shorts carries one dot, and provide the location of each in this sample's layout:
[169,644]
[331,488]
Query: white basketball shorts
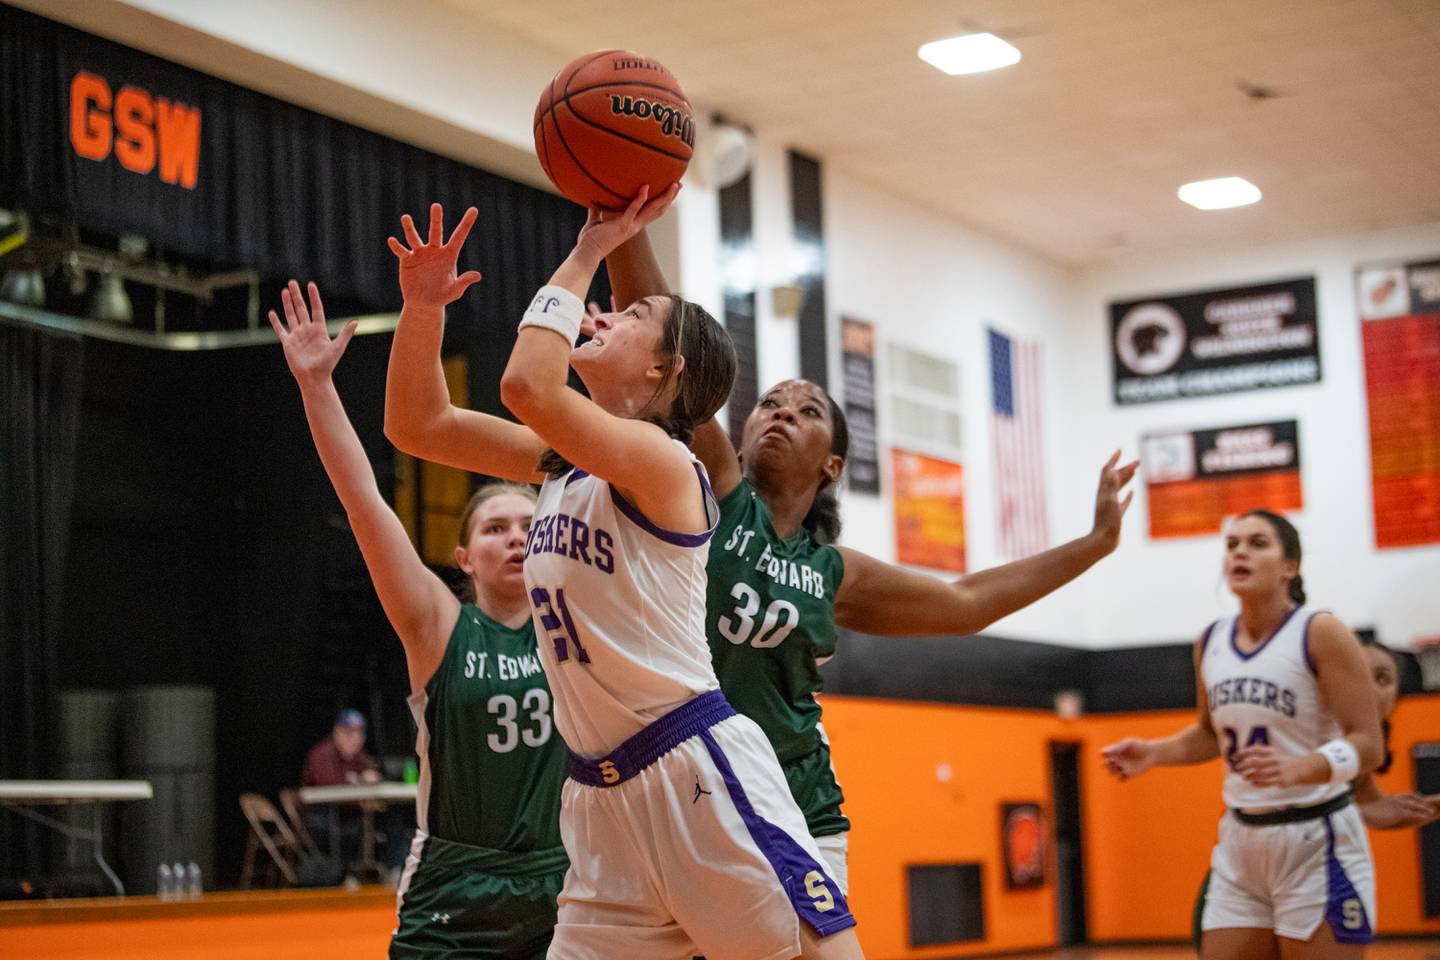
[1290,877]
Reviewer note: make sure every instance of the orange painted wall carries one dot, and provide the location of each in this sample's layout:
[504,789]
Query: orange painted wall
[923,785]
[1147,842]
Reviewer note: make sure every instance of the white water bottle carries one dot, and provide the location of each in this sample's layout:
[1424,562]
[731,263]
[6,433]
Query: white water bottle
[164,882]
[194,886]
[177,879]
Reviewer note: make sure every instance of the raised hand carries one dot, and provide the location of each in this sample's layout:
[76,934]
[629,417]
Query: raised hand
[309,351]
[1129,758]
[604,231]
[427,268]
[1109,508]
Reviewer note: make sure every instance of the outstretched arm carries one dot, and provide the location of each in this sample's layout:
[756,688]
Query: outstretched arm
[419,418]
[419,606]
[878,597]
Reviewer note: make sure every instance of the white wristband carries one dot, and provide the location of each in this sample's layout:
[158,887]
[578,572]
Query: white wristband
[1344,760]
[555,308]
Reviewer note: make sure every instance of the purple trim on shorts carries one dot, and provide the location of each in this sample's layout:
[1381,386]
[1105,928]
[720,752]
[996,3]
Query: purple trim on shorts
[652,743]
[1352,926]
[794,867]
[670,536]
[1235,629]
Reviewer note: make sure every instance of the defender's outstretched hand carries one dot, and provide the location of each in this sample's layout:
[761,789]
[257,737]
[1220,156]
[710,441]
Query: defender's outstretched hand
[1109,508]
[427,268]
[309,351]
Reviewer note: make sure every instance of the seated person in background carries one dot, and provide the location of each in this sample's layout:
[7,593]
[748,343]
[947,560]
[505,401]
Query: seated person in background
[341,757]
[337,760]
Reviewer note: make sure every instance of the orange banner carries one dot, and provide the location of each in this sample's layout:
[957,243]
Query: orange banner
[1400,307]
[929,511]
[1197,478]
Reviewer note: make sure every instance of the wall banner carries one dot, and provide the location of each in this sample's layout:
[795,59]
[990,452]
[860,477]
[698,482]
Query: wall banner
[1196,478]
[1215,341]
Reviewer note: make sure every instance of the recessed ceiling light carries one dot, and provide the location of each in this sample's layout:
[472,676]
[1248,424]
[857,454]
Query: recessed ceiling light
[1219,194]
[971,53]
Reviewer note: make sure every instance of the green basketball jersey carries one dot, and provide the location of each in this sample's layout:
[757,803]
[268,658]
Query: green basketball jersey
[491,763]
[770,620]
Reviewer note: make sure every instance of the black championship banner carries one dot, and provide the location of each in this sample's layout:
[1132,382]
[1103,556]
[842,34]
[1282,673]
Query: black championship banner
[857,362]
[1215,341]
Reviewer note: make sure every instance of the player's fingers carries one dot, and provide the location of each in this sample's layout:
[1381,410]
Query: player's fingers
[412,236]
[317,309]
[297,300]
[279,327]
[437,225]
[289,307]
[344,338]
[462,229]
[397,248]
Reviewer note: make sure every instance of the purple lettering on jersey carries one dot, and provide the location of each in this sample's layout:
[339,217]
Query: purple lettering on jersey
[579,540]
[572,537]
[1252,690]
[604,559]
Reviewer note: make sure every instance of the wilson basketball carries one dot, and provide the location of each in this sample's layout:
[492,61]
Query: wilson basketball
[611,122]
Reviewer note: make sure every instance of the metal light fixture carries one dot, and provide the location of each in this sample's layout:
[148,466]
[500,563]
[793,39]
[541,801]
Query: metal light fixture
[110,302]
[25,287]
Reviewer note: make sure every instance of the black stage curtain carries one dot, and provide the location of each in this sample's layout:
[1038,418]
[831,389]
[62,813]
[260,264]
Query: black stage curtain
[275,188]
[206,545]
[40,377]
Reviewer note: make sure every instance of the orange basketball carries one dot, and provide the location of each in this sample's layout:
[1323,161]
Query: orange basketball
[611,122]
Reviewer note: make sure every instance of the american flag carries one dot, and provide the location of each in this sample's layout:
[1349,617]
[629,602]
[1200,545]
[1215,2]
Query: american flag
[1024,527]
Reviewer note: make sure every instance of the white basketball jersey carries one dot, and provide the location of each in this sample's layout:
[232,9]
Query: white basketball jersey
[1267,697]
[619,608]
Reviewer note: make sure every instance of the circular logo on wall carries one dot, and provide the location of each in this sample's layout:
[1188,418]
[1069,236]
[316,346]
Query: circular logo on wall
[1150,338]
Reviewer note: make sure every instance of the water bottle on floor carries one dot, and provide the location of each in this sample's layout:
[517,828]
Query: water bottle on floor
[194,886]
[164,883]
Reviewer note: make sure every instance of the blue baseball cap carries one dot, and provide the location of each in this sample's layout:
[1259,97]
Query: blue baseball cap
[350,718]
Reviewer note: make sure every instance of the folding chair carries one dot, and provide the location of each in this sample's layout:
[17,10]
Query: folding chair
[270,831]
[290,803]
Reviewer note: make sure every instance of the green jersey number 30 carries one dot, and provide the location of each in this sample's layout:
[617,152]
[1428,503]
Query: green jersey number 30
[780,619]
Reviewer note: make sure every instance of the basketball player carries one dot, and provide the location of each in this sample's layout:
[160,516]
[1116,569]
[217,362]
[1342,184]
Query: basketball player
[682,835]
[1283,691]
[486,863]
[1381,811]
[778,586]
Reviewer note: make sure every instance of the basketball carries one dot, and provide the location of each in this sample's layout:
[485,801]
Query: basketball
[611,122]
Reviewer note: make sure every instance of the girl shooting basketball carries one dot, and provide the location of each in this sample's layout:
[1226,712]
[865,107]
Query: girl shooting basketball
[682,835]
[1283,692]
[487,856]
